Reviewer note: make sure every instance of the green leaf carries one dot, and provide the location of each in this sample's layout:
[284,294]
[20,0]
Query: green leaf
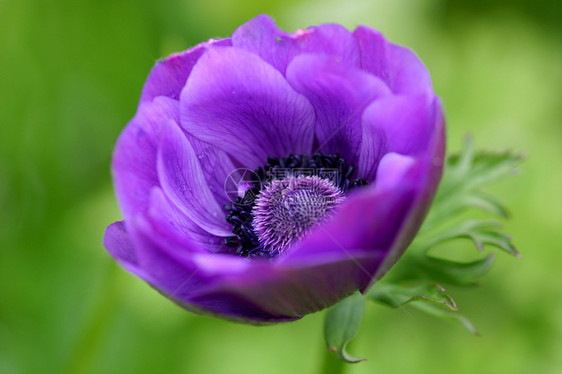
[487,203]
[420,267]
[481,232]
[464,176]
[342,323]
[430,298]
[415,280]
[454,317]
[460,192]
[395,295]
[454,272]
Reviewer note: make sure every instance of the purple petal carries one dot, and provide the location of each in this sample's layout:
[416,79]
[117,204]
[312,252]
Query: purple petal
[406,123]
[398,66]
[187,276]
[427,176]
[266,293]
[240,104]
[262,37]
[168,76]
[228,275]
[400,124]
[392,170]
[168,220]
[257,292]
[216,166]
[372,48]
[134,158]
[184,184]
[368,220]
[375,215]
[372,149]
[339,94]
[407,74]
[164,261]
[117,242]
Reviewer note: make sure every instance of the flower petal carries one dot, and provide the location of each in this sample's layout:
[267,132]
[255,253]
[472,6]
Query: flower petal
[169,221]
[184,274]
[427,177]
[164,269]
[373,148]
[134,158]
[168,76]
[398,66]
[263,292]
[372,48]
[262,37]
[339,94]
[118,243]
[230,287]
[184,184]
[216,166]
[401,124]
[266,293]
[407,74]
[369,220]
[405,122]
[242,105]
[392,170]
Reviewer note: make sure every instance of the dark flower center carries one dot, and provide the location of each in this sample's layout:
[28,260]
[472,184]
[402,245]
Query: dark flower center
[287,208]
[285,199]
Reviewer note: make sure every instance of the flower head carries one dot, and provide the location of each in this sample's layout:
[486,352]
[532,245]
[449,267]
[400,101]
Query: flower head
[343,137]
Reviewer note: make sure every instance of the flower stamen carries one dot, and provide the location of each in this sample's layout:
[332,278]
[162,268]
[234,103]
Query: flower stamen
[288,208]
[307,189]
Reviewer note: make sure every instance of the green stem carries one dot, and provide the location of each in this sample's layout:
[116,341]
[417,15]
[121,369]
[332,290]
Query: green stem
[331,364]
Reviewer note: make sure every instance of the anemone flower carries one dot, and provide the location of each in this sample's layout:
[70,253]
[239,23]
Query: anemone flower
[333,142]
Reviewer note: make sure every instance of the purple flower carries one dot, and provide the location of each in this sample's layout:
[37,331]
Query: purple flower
[345,138]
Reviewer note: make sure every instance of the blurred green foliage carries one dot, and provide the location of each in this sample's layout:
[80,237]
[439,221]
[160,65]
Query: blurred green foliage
[71,75]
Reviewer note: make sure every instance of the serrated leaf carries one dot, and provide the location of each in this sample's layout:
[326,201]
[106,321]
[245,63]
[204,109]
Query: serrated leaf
[465,175]
[496,239]
[460,190]
[395,295]
[430,298]
[486,203]
[453,272]
[342,323]
[481,167]
[454,317]
[488,167]
[459,194]
[481,232]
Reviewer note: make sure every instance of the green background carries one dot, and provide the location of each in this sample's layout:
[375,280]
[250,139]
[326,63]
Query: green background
[71,73]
